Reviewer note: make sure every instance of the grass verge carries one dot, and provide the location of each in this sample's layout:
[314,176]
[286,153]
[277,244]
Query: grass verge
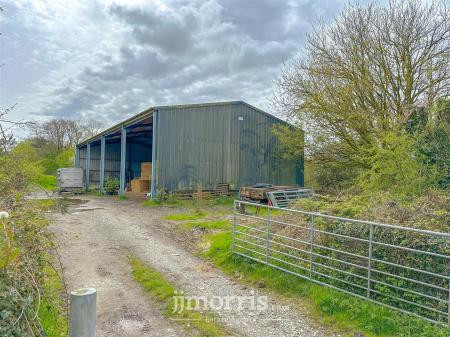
[150,203]
[51,310]
[207,225]
[186,216]
[175,202]
[46,181]
[154,283]
[43,204]
[346,313]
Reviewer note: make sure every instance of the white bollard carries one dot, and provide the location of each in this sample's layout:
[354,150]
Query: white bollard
[83,304]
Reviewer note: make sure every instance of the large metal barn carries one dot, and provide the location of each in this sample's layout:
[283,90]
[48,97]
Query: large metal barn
[190,146]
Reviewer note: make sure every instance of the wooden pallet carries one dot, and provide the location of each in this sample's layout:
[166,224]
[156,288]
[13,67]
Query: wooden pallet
[222,189]
[260,193]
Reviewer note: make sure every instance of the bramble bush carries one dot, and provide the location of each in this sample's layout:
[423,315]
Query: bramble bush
[25,250]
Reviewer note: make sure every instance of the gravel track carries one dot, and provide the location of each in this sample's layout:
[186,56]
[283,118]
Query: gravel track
[94,241]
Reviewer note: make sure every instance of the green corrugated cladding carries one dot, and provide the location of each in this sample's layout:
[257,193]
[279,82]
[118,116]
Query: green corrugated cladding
[112,161]
[221,143]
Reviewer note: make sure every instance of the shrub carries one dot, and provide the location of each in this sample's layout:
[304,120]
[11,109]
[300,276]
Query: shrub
[394,167]
[112,185]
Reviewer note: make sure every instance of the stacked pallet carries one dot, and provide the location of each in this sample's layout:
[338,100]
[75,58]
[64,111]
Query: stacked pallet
[222,189]
[142,184]
[203,194]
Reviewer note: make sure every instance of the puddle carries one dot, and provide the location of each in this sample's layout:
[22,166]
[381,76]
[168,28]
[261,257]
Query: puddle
[76,205]
[77,201]
[79,210]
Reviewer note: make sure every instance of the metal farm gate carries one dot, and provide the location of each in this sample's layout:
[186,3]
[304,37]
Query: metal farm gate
[402,268]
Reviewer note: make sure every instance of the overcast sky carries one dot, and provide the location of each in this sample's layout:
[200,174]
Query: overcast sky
[111,59]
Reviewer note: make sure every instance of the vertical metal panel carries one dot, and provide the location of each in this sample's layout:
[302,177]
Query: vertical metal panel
[210,144]
[137,153]
[123,154]
[154,149]
[77,157]
[112,159]
[88,164]
[82,151]
[102,164]
[94,167]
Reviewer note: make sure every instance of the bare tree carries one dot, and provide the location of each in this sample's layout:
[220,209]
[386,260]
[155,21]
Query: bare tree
[61,133]
[7,139]
[91,127]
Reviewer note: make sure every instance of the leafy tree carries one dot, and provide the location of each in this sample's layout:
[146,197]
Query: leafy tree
[362,77]
[432,133]
[395,168]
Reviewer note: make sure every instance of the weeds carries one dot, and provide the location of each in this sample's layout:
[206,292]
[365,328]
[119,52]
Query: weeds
[29,298]
[335,308]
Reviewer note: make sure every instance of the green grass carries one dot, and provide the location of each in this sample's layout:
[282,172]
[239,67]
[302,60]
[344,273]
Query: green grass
[45,181]
[186,216]
[339,310]
[213,224]
[154,283]
[43,204]
[150,203]
[51,309]
[174,201]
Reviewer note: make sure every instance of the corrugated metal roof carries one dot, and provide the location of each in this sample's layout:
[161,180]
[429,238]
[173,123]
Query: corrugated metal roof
[148,112]
[134,119]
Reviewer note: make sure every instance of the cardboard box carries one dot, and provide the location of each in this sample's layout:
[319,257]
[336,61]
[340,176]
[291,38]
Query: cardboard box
[146,171]
[140,185]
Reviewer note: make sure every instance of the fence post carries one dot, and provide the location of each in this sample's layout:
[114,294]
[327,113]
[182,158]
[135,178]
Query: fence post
[83,312]
[268,236]
[311,251]
[448,308]
[369,264]
[234,228]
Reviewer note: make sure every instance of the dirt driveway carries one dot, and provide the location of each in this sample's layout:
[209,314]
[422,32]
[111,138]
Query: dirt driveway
[95,239]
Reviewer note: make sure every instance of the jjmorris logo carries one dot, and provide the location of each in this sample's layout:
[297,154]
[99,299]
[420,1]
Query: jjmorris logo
[184,302]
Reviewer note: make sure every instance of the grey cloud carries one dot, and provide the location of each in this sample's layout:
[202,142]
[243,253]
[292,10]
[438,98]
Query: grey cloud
[193,51]
[261,20]
[170,32]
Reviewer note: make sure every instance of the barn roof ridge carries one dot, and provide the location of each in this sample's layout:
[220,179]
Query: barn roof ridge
[149,111]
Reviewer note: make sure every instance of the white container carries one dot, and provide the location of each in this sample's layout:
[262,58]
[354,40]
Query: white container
[69,178]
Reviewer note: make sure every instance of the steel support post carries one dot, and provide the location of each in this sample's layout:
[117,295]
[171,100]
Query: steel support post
[233,233]
[311,248]
[448,305]
[369,263]
[268,236]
